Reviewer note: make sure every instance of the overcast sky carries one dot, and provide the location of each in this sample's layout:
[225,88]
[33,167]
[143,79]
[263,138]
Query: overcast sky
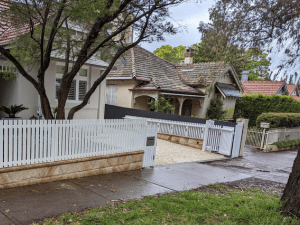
[188,15]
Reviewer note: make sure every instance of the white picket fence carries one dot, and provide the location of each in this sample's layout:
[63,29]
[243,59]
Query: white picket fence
[195,130]
[261,139]
[25,142]
[223,140]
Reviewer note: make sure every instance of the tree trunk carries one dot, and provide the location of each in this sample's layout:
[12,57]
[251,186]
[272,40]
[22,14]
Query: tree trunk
[46,108]
[291,193]
[62,96]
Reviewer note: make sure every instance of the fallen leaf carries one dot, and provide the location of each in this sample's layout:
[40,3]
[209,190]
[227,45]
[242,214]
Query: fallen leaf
[100,185]
[92,185]
[75,205]
[8,210]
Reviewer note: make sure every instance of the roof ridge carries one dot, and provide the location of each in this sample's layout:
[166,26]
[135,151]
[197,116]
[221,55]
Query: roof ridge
[155,55]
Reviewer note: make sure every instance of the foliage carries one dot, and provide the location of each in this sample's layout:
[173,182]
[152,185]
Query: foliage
[7,75]
[75,31]
[215,204]
[253,60]
[161,105]
[287,144]
[172,54]
[229,113]
[270,25]
[252,105]
[215,110]
[12,110]
[279,119]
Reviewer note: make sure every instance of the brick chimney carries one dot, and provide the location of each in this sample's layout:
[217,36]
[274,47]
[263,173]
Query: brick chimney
[245,76]
[189,55]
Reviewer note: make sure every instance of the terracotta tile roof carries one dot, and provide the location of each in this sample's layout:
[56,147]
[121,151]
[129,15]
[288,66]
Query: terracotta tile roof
[296,97]
[160,74]
[9,30]
[205,73]
[262,87]
[291,88]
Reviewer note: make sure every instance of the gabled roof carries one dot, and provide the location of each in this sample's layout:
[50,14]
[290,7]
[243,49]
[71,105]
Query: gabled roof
[291,88]
[160,74]
[262,87]
[146,66]
[205,73]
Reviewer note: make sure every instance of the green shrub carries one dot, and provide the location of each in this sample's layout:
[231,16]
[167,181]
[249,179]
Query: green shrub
[279,119]
[252,106]
[287,144]
[215,110]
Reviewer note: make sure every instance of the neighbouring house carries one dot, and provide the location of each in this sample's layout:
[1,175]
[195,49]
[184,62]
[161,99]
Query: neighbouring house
[269,87]
[142,76]
[21,91]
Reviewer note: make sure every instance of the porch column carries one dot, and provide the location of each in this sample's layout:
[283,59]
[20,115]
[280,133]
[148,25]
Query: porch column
[181,100]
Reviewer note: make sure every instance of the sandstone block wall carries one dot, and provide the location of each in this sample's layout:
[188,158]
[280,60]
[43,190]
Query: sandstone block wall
[69,169]
[187,141]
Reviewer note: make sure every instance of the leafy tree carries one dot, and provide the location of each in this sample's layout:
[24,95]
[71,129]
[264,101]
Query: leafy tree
[253,60]
[47,27]
[172,54]
[161,105]
[215,110]
[263,24]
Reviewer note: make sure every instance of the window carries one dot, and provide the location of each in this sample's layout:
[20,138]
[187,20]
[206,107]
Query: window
[111,94]
[79,85]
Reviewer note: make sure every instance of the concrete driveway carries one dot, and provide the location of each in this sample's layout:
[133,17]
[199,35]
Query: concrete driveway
[170,153]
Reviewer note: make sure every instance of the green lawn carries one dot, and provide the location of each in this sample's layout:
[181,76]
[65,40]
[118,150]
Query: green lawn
[214,204]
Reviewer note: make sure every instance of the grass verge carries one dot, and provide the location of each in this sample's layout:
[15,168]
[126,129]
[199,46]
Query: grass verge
[214,204]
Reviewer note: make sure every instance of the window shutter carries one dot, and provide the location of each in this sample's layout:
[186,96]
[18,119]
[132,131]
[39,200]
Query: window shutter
[82,89]
[72,91]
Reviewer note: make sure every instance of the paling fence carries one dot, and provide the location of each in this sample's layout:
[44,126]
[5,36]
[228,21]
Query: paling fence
[25,142]
[260,138]
[217,138]
[176,127]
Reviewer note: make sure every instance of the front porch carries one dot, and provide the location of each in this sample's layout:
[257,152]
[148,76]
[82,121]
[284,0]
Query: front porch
[185,105]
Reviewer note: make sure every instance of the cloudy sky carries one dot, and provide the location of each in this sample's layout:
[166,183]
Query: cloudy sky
[187,15]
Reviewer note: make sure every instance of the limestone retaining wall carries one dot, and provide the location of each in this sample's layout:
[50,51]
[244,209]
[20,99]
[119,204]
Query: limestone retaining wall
[187,141]
[69,169]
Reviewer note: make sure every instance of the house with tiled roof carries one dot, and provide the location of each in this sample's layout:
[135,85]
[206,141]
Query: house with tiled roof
[143,76]
[21,91]
[269,87]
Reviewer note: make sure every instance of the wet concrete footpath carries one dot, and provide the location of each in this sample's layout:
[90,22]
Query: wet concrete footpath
[25,205]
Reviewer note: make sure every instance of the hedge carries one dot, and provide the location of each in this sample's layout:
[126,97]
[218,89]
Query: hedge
[252,105]
[287,144]
[279,119]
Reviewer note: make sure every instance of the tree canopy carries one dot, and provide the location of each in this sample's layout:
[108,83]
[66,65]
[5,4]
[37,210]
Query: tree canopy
[272,25]
[253,60]
[76,30]
[172,54]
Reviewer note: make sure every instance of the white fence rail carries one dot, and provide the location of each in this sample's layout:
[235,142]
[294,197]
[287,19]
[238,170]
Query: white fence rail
[176,127]
[218,139]
[261,139]
[25,142]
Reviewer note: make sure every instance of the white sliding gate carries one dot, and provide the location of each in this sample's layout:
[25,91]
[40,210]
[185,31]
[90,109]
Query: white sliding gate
[24,142]
[224,140]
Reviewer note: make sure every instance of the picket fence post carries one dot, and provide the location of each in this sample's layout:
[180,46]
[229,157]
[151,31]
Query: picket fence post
[208,124]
